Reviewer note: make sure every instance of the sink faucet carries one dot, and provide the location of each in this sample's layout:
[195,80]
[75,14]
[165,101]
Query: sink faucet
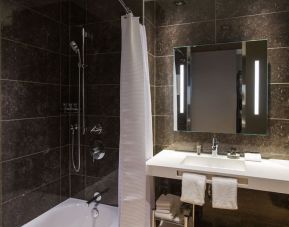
[215,146]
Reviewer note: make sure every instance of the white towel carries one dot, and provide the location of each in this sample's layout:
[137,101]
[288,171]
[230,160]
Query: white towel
[193,189]
[225,193]
[167,202]
[161,211]
[169,217]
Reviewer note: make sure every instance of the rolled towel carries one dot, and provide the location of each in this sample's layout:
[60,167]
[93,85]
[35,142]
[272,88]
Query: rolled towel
[193,189]
[224,193]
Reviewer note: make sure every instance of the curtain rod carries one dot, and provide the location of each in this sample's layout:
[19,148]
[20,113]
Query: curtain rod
[127,10]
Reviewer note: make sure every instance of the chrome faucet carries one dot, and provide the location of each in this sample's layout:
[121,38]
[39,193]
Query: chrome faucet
[215,146]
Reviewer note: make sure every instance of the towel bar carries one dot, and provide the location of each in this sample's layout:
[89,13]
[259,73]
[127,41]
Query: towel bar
[242,182]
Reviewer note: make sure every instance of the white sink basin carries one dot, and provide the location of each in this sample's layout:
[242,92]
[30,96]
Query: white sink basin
[215,162]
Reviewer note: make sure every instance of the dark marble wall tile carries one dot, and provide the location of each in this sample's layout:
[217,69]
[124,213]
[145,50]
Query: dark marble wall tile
[272,27]
[279,65]
[164,71]
[77,12]
[23,100]
[65,76]
[65,160]
[65,130]
[164,130]
[77,183]
[65,11]
[15,144]
[24,25]
[184,35]
[194,10]
[64,39]
[26,63]
[103,12]
[151,37]
[23,175]
[150,11]
[279,101]
[164,101]
[235,8]
[152,69]
[73,70]
[109,41]
[103,69]
[49,8]
[53,99]
[103,100]
[65,188]
[21,210]
[153,91]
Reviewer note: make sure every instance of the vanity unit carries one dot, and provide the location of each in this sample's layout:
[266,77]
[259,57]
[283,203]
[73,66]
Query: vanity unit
[270,175]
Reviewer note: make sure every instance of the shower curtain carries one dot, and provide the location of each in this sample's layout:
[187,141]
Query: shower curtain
[136,140]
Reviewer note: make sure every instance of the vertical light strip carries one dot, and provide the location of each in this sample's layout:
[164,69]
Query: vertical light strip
[182,88]
[257,87]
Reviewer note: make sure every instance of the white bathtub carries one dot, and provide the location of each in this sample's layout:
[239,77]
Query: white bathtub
[76,213]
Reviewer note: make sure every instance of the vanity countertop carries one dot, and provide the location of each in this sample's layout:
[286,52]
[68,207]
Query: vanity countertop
[268,175]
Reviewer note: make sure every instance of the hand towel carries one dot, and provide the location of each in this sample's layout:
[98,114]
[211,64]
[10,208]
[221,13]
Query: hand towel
[193,188]
[224,193]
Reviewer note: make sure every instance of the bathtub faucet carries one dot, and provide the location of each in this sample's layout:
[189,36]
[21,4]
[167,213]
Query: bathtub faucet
[97,197]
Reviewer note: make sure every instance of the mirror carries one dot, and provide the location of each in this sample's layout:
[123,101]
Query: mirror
[221,88]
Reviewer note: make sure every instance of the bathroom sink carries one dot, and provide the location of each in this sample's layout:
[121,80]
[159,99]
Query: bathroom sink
[215,162]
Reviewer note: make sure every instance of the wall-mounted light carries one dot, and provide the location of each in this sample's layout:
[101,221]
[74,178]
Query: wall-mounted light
[257,88]
[182,88]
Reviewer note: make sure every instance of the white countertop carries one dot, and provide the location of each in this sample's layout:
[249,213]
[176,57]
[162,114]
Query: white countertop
[267,175]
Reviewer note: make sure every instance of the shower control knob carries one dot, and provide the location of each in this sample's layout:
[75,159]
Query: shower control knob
[97,129]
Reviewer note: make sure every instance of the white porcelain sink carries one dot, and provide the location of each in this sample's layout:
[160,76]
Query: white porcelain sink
[215,162]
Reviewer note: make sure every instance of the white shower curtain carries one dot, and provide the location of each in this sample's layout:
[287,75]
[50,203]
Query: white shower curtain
[136,140]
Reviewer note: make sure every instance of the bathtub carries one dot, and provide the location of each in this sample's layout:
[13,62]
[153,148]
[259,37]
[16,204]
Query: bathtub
[76,213]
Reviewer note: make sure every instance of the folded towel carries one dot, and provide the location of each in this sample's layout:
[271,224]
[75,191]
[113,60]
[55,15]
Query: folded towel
[163,211]
[167,202]
[170,217]
[224,193]
[193,189]
[254,157]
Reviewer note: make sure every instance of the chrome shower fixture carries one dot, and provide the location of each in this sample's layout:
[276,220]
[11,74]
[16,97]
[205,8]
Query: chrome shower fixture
[74,47]
[179,3]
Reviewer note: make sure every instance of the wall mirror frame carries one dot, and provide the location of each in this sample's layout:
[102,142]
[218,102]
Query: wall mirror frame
[221,88]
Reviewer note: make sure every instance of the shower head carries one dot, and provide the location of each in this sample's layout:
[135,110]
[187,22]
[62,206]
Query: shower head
[74,46]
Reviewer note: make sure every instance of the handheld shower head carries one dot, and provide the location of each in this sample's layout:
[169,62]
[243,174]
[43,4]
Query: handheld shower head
[74,46]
